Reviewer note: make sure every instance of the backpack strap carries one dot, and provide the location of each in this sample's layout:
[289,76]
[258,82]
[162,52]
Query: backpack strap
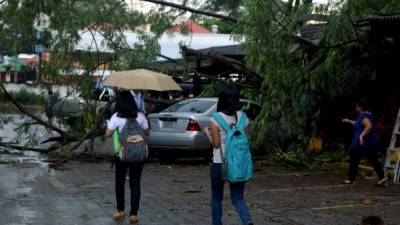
[242,121]
[221,121]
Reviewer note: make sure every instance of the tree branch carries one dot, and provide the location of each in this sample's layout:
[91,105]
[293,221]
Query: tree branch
[62,161]
[190,69]
[312,45]
[214,78]
[25,125]
[183,65]
[93,130]
[34,117]
[25,148]
[192,10]
[316,62]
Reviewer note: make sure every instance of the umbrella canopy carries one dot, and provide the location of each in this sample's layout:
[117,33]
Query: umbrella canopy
[142,79]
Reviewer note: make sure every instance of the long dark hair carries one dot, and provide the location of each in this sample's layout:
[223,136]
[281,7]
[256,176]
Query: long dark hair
[228,100]
[125,105]
[363,104]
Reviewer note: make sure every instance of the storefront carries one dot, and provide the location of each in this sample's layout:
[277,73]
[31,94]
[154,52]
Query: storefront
[13,71]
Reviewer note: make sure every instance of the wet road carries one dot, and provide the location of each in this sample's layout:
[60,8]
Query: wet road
[178,194]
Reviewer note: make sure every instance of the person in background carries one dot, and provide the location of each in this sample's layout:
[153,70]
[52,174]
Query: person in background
[364,144]
[50,101]
[139,100]
[228,107]
[126,109]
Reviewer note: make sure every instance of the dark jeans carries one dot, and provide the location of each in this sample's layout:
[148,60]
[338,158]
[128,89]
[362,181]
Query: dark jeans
[356,155]
[135,173]
[217,195]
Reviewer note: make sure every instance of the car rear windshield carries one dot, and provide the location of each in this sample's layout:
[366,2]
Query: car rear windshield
[193,105]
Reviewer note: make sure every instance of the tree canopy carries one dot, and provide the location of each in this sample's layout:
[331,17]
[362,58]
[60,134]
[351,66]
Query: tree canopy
[297,72]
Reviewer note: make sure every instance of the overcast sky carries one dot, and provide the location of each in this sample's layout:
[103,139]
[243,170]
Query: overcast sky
[147,6]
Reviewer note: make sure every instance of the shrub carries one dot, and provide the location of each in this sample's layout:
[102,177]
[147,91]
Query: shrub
[24,97]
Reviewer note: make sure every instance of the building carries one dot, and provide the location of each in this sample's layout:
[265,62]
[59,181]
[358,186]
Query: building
[170,43]
[146,7]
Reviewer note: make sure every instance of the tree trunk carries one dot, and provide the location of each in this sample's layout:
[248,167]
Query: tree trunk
[297,5]
[289,6]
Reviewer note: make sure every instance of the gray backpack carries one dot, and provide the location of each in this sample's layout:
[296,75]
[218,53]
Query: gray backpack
[133,143]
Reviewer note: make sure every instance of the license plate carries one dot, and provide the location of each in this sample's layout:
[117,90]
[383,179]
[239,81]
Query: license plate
[168,124]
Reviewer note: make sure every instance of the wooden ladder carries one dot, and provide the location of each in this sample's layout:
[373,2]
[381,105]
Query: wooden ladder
[393,152]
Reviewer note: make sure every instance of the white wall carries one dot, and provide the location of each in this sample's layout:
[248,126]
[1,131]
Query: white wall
[62,90]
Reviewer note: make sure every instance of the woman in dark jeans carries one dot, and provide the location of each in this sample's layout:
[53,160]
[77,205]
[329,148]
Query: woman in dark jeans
[228,107]
[364,144]
[126,109]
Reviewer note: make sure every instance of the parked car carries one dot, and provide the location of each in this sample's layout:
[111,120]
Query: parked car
[71,107]
[178,129]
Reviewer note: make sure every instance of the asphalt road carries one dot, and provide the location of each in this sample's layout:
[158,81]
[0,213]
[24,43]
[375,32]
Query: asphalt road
[179,194]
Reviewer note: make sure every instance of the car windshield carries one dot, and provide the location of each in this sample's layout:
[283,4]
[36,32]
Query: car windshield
[192,105]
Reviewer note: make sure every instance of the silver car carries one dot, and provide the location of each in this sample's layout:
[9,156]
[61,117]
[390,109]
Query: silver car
[179,127]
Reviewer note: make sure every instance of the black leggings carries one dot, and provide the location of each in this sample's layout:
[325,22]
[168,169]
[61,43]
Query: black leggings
[356,155]
[135,173]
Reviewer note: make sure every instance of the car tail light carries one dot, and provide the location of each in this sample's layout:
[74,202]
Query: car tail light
[193,126]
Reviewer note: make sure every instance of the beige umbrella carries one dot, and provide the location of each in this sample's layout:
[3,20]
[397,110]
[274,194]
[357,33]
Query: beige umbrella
[142,79]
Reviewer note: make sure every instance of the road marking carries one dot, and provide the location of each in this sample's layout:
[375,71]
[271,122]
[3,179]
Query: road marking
[294,174]
[55,182]
[352,206]
[339,207]
[307,188]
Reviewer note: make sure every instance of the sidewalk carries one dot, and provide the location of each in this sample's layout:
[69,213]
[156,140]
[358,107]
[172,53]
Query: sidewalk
[178,194]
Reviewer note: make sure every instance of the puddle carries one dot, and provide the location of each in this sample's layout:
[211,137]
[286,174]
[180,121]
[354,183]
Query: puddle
[9,134]
[26,213]
[4,151]
[22,159]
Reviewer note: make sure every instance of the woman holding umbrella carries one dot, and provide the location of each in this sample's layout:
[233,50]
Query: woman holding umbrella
[126,109]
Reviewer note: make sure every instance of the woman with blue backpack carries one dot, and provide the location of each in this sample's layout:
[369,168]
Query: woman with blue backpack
[128,128]
[232,160]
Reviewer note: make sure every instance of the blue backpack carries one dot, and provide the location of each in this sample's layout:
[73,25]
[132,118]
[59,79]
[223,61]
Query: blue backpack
[238,160]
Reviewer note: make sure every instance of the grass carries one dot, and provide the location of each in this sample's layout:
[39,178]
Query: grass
[24,97]
[303,159]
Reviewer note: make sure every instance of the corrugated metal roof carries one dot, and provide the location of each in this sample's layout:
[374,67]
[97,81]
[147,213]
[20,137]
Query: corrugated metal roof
[311,31]
[229,50]
[380,20]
